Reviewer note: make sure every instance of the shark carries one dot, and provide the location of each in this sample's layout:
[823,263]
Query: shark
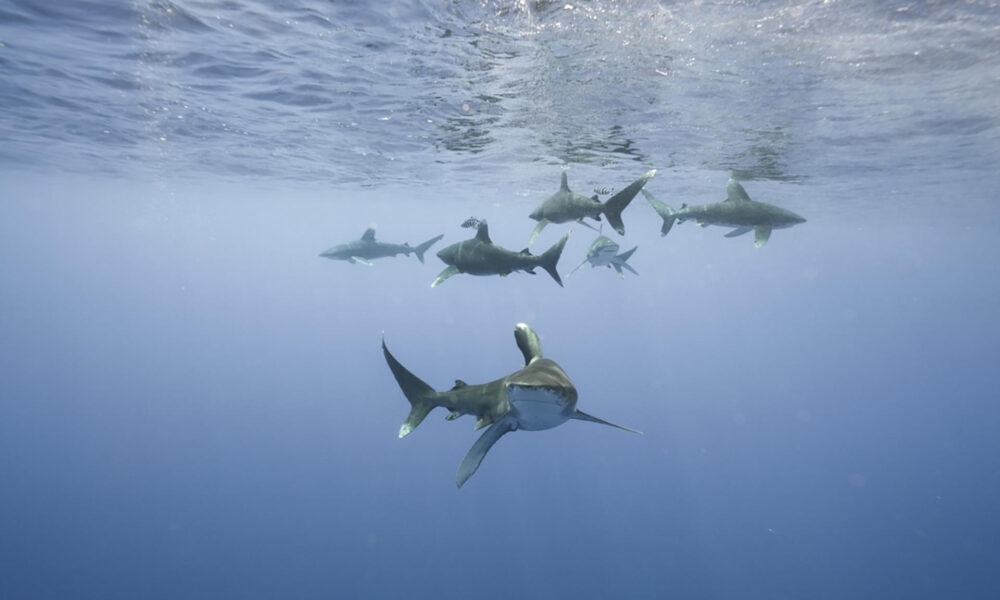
[536,397]
[365,249]
[603,252]
[737,210]
[565,206]
[480,256]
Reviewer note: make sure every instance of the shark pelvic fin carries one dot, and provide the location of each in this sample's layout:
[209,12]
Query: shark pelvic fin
[478,451]
[582,416]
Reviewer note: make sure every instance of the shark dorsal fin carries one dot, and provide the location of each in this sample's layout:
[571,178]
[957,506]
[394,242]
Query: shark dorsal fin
[564,183]
[368,235]
[459,384]
[483,233]
[528,343]
[735,192]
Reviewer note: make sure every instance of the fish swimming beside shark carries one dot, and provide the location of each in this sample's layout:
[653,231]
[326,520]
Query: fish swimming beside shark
[565,206]
[537,397]
[367,248]
[737,210]
[480,256]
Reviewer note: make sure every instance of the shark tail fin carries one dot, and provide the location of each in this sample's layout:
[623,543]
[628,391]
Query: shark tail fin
[622,261]
[550,258]
[668,214]
[616,204]
[419,250]
[420,395]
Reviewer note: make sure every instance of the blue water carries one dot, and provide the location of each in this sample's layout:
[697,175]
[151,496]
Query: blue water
[194,404]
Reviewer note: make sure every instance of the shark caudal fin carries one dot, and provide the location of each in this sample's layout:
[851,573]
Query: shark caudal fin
[550,258]
[420,395]
[616,204]
[622,261]
[666,213]
[419,250]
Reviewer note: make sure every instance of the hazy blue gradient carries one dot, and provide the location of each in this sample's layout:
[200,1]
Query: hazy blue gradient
[193,404]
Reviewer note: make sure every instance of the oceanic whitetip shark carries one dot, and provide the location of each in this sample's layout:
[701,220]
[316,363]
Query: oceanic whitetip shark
[565,206]
[539,396]
[366,248]
[737,210]
[603,252]
[480,256]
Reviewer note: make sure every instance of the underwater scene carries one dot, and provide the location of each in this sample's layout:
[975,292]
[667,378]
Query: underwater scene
[499,299]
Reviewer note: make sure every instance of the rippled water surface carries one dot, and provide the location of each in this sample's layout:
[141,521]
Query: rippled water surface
[400,91]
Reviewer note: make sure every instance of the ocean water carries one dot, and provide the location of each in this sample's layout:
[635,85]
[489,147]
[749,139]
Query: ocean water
[194,404]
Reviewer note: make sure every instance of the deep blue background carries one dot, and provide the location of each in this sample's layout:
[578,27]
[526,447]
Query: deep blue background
[195,405]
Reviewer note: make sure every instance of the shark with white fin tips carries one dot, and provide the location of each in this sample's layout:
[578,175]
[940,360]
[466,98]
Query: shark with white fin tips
[565,206]
[363,250]
[480,256]
[737,210]
[539,396]
[603,252]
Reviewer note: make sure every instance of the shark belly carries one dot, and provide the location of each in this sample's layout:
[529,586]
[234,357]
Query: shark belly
[537,408]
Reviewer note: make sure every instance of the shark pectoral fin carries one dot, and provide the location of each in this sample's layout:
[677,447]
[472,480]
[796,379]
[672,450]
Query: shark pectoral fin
[762,233]
[452,270]
[359,260]
[739,231]
[478,451]
[538,229]
[582,416]
[578,266]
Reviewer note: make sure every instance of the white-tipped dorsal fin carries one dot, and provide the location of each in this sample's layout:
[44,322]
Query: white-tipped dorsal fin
[528,343]
[564,182]
[735,192]
[483,233]
[369,235]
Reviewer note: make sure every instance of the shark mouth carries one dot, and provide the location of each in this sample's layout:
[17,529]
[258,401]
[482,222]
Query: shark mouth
[538,407]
